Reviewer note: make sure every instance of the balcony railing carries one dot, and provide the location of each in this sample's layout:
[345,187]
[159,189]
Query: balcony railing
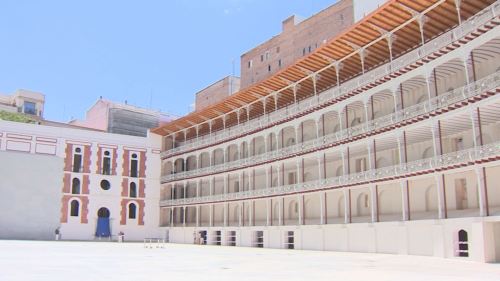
[467,156]
[369,77]
[442,101]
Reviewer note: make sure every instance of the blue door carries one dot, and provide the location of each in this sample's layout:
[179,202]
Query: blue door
[103,228]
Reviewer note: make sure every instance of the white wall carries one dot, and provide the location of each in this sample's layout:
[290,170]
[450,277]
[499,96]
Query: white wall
[364,7]
[31,193]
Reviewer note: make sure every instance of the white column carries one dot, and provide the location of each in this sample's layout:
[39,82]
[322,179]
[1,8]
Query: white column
[211,219]
[404,183]
[300,200]
[322,207]
[439,178]
[436,138]
[280,210]
[240,215]
[321,169]
[225,206]
[481,184]
[347,205]
[476,127]
[268,216]
[250,211]
[266,167]
[171,217]
[240,182]
[184,217]
[374,202]
[197,216]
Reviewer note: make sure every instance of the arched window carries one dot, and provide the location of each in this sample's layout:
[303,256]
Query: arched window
[463,243]
[75,186]
[132,210]
[106,163]
[75,208]
[77,160]
[133,190]
[134,166]
[103,213]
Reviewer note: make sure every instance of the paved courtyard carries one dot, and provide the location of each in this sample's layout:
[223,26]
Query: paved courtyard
[34,260]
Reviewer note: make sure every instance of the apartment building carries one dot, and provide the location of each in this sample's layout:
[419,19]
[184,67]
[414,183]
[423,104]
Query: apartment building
[89,184]
[388,143]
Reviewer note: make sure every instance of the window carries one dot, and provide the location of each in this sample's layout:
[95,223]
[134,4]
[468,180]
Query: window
[29,108]
[134,166]
[75,186]
[250,62]
[269,68]
[105,185]
[463,244]
[75,206]
[304,51]
[133,190]
[278,49]
[106,163]
[261,58]
[132,208]
[279,62]
[309,48]
[77,160]
[267,55]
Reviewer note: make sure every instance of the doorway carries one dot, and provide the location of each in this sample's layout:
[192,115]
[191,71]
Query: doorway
[103,226]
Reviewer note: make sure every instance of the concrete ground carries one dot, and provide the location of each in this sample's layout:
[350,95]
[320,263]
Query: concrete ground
[75,261]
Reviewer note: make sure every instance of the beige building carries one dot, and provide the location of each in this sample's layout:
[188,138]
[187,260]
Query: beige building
[299,37]
[24,101]
[217,92]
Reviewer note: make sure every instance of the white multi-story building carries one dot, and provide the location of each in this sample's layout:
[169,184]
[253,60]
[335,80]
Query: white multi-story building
[88,184]
[384,139]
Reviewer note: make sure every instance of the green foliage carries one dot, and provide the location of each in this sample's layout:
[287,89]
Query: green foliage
[15,117]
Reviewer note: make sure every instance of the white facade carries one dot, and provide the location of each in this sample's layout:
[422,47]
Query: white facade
[37,164]
[408,165]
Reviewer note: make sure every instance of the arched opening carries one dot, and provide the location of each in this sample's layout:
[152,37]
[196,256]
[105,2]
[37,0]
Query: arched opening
[134,166]
[74,208]
[463,243]
[103,213]
[75,186]
[106,163]
[103,228]
[133,190]
[132,211]
[363,204]
[428,153]
[77,160]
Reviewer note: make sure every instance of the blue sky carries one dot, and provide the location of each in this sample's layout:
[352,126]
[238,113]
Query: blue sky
[76,51]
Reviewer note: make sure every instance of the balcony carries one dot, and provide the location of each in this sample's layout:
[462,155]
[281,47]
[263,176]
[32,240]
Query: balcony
[429,165]
[435,104]
[330,95]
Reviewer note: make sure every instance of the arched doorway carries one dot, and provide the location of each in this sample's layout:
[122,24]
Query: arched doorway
[463,243]
[103,226]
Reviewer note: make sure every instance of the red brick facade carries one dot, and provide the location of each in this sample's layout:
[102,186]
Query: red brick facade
[126,163]
[83,212]
[124,208]
[99,161]
[125,187]
[67,183]
[85,184]
[69,157]
[142,189]
[142,164]
[114,161]
[86,159]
